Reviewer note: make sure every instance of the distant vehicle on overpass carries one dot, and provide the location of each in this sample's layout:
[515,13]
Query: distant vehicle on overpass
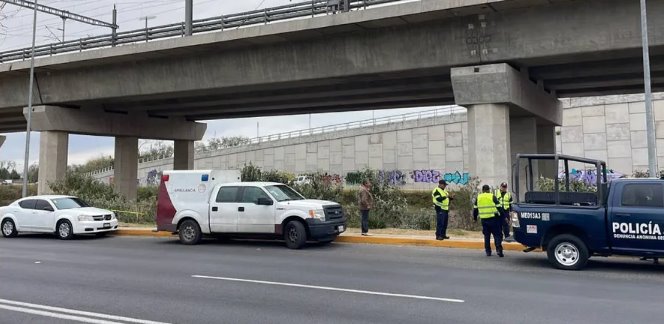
[622,217]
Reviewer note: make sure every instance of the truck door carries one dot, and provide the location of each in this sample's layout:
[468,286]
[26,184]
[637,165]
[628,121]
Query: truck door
[636,217]
[223,210]
[252,217]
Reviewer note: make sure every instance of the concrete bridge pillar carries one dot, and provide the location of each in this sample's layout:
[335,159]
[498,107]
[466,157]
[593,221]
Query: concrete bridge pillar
[53,151]
[125,167]
[505,113]
[183,158]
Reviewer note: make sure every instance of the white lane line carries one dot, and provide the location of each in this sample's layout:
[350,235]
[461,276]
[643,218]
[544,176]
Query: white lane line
[366,292]
[56,315]
[76,312]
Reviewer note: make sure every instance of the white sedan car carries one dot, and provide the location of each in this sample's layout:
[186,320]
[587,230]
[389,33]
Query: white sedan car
[65,216]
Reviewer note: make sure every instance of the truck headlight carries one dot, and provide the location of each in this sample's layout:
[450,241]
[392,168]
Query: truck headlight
[85,218]
[317,214]
[515,219]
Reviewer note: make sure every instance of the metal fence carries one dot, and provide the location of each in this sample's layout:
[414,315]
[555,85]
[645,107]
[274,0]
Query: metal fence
[219,23]
[448,111]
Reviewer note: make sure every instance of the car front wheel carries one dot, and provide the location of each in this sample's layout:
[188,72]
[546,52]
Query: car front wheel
[64,230]
[295,235]
[9,228]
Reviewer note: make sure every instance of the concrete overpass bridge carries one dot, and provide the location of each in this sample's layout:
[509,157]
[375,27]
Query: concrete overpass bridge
[507,61]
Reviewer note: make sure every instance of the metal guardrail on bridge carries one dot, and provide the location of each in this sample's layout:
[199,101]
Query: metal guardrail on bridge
[219,23]
[434,113]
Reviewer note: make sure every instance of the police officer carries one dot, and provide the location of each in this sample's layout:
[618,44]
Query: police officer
[487,207]
[505,199]
[441,204]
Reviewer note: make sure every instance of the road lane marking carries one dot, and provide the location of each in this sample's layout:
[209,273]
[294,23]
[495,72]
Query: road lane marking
[366,292]
[56,315]
[50,311]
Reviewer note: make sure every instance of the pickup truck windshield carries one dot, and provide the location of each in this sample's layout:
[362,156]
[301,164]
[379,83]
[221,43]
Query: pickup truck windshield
[69,203]
[283,193]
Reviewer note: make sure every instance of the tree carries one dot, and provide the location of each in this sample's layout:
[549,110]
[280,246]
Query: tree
[102,162]
[14,175]
[33,173]
[157,151]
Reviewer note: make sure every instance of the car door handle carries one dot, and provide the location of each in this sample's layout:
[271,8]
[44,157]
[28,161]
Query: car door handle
[240,209]
[622,215]
[215,208]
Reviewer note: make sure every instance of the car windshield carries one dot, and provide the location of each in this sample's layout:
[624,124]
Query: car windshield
[69,203]
[283,193]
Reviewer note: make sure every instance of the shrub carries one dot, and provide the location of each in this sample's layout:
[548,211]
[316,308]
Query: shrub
[10,193]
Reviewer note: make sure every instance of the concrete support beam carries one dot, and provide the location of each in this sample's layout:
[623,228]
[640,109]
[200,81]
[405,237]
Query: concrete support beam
[489,142]
[125,173]
[501,83]
[89,122]
[523,139]
[546,143]
[53,150]
[183,155]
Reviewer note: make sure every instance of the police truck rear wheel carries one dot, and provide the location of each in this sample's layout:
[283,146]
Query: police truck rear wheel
[190,232]
[567,252]
[295,235]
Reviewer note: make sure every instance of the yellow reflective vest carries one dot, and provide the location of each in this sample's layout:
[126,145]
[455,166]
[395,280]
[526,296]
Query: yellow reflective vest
[504,200]
[445,205]
[485,205]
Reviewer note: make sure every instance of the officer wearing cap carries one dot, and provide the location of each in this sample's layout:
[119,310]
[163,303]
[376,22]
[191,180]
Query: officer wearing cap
[487,207]
[505,199]
[441,204]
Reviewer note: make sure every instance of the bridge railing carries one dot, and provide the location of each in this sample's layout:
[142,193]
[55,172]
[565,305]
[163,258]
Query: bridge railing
[448,111]
[255,17]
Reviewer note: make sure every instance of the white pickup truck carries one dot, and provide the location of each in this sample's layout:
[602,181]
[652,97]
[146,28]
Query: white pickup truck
[215,202]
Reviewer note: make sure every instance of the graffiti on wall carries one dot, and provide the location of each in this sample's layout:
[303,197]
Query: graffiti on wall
[589,177]
[334,179]
[354,178]
[433,176]
[152,177]
[393,177]
[427,176]
[457,178]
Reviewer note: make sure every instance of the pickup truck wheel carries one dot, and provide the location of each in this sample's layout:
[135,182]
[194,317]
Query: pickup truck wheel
[567,252]
[64,230]
[295,235]
[8,228]
[190,232]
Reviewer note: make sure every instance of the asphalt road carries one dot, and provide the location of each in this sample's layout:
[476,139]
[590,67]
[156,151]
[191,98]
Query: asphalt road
[44,280]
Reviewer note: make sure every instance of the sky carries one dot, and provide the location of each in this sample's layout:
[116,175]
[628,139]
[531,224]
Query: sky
[16,32]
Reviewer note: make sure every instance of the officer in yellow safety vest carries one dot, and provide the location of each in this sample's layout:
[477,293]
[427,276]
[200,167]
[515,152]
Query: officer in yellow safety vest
[505,199]
[487,207]
[441,204]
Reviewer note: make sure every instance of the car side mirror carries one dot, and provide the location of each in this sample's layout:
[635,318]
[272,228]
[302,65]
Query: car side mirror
[265,202]
[48,208]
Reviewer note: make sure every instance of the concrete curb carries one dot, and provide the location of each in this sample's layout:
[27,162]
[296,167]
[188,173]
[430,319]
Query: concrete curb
[355,239]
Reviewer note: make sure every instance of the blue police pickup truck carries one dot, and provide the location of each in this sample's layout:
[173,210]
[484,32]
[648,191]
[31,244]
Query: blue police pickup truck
[620,217]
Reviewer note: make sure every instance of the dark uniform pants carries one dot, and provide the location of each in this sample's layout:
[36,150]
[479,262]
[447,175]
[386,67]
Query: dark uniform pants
[504,223]
[441,222]
[492,226]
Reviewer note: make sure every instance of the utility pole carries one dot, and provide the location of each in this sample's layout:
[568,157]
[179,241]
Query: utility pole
[60,13]
[188,17]
[650,120]
[26,160]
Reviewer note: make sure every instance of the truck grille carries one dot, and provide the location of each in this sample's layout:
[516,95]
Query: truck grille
[333,212]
